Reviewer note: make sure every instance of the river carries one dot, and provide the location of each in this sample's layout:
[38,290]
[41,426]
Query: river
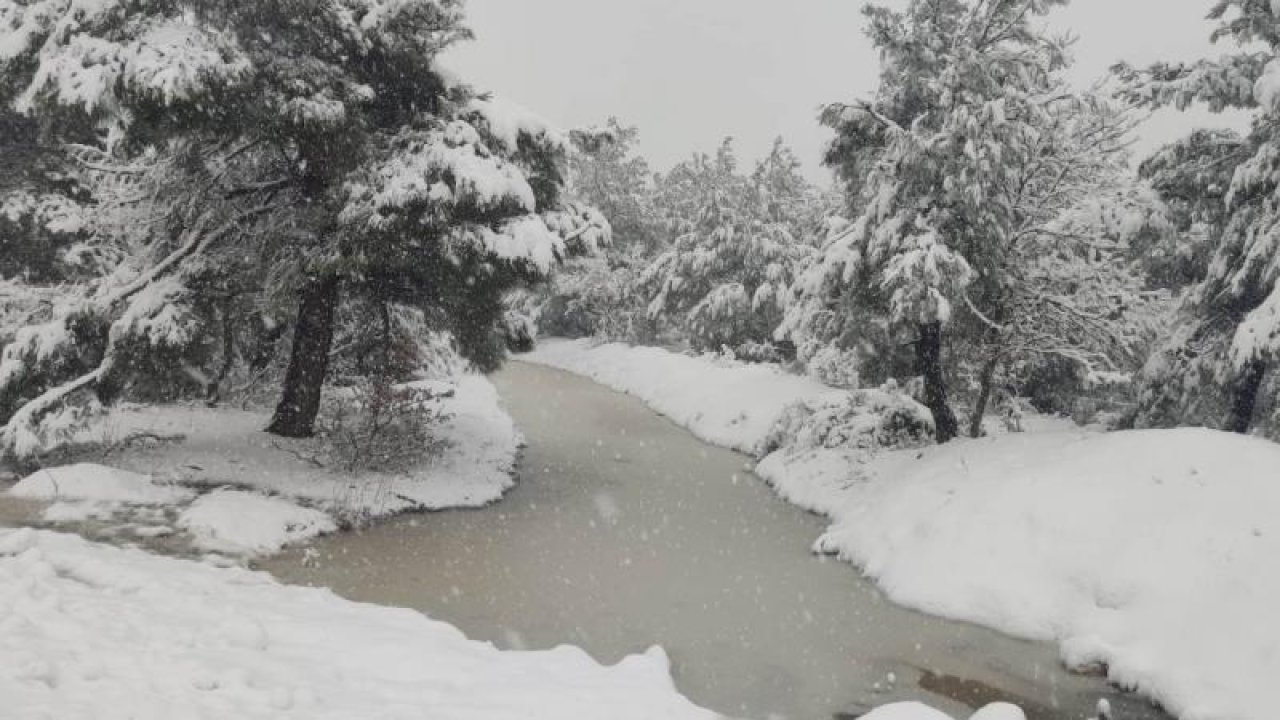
[625,531]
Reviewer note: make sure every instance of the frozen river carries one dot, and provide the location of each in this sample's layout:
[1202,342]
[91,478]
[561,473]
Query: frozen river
[625,532]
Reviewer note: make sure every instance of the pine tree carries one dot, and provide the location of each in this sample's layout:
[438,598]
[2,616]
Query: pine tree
[608,174]
[333,153]
[1228,336]
[727,278]
[1192,177]
[964,87]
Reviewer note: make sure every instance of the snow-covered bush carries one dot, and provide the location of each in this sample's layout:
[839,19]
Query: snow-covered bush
[867,419]
[835,367]
[377,426]
[591,296]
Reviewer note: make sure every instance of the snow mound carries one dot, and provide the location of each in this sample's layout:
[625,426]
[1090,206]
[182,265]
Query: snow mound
[99,483]
[1151,552]
[725,403]
[246,523]
[480,445]
[920,711]
[94,632]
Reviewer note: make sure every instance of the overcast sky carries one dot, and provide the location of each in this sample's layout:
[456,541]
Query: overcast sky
[689,72]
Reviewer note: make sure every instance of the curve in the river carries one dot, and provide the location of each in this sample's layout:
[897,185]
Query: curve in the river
[625,531]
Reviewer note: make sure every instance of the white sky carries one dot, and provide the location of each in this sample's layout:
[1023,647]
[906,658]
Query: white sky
[689,72]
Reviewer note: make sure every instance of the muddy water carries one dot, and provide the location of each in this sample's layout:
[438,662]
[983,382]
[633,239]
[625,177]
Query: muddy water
[18,512]
[625,532]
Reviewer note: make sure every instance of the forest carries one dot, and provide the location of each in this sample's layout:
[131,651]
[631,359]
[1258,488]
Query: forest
[990,238]
[272,271]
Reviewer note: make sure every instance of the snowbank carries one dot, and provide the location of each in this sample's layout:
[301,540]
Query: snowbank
[723,402]
[918,711]
[264,491]
[1153,552]
[87,481]
[245,523]
[97,632]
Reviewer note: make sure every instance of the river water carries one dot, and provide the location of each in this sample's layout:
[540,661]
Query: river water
[625,531]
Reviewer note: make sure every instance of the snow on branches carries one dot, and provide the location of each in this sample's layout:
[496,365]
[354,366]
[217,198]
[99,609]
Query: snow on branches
[234,156]
[1228,322]
[727,277]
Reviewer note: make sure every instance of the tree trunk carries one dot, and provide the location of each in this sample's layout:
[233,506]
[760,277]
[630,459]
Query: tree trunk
[1245,396]
[312,337]
[213,393]
[984,394]
[929,364]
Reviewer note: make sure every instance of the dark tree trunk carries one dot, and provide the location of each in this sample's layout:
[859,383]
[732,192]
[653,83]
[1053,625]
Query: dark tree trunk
[384,315]
[312,337]
[213,394]
[1245,396]
[929,364]
[984,394]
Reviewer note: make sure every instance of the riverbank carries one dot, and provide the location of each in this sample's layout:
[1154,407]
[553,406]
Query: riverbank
[1148,553]
[96,633]
[210,481]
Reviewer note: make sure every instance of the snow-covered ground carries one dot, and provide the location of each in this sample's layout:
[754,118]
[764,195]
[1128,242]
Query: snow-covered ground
[91,631]
[1152,552]
[235,490]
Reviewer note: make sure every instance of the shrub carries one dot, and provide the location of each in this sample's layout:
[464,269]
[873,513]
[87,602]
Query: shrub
[867,419]
[377,426]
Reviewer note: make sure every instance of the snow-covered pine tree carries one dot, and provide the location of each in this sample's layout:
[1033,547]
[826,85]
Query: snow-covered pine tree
[40,206]
[727,279]
[1192,177]
[608,174]
[334,148]
[590,293]
[964,87]
[1228,336]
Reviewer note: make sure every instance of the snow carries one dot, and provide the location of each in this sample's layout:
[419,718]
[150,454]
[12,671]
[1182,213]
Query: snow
[449,167]
[87,481]
[91,631]
[907,711]
[169,61]
[1267,89]
[245,523]
[224,453]
[1258,335]
[507,121]
[526,239]
[1151,552]
[160,315]
[721,401]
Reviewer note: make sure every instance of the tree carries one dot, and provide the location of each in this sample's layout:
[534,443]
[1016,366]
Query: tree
[608,174]
[1192,177]
[727,278]
[1228,336]
[1064,284]
[332,154]
[964,89]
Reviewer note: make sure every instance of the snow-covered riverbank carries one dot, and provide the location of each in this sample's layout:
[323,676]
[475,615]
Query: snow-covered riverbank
[1059,534]
[91,631]
[212,474]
